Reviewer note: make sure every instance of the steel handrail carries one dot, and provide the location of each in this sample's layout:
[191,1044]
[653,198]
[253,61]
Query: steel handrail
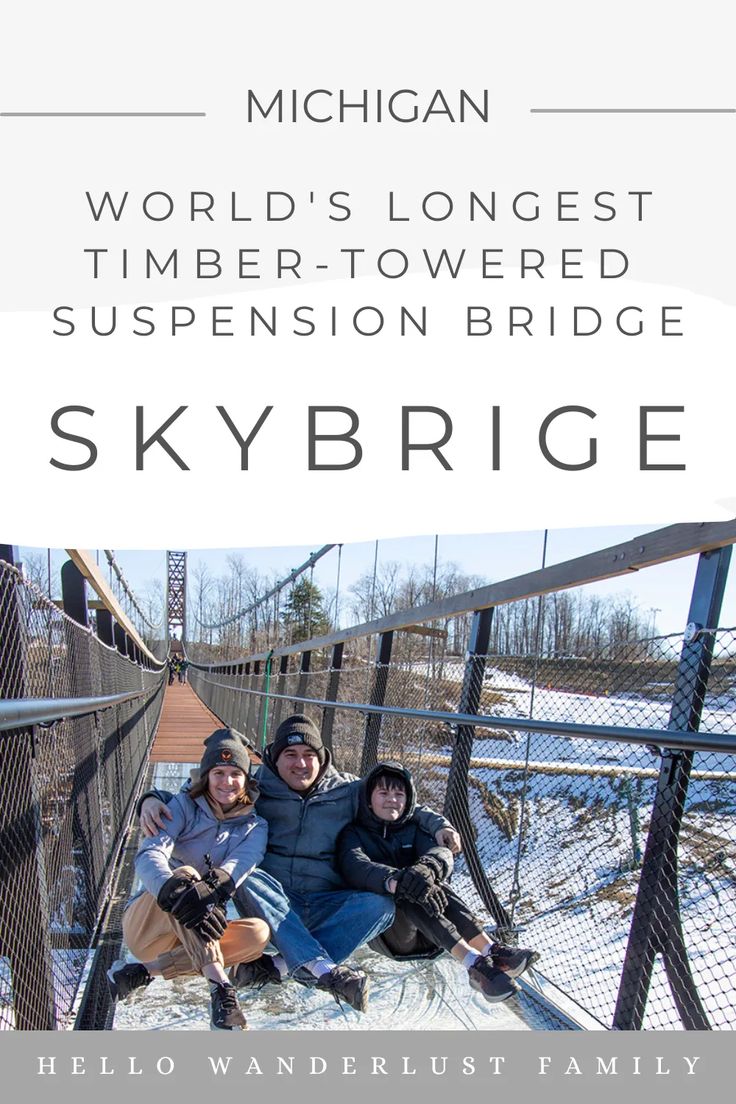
[22,712]
[724,743]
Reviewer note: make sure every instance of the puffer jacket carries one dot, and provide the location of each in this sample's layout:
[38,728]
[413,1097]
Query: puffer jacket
[195,837]
[371,850]
[303,830]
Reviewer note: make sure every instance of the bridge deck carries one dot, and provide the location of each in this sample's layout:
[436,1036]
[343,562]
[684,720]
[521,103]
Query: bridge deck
[185,723]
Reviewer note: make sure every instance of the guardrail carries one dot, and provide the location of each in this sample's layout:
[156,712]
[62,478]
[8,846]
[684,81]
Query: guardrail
[76,723]
[624,880]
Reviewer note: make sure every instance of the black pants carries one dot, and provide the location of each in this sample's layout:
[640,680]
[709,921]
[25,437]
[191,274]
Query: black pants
[414,932]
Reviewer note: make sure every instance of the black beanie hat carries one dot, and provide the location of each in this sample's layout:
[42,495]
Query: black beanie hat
[226,748]
[297,729]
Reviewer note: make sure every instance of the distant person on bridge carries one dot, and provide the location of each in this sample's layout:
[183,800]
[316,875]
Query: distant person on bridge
[315,919]
[183,664]
[212,841]
[387,851]
[172,670]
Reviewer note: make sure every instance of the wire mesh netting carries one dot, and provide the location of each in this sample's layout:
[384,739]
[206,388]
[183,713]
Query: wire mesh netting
[556,827]
[66,789]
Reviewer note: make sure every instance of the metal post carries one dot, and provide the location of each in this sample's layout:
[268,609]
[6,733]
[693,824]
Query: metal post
[378,697]
[120,639]
[105,627]
[301,689]
[280,689]
[26,931]
[87,817]
[74,593]
[250,699]
[333,684]
[656,926]
[457,808]
[260,704]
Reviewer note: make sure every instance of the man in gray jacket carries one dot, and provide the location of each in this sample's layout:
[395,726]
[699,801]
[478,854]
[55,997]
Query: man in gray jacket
[315,919]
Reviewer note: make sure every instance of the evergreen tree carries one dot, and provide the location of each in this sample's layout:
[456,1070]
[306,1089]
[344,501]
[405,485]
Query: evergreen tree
[303,615]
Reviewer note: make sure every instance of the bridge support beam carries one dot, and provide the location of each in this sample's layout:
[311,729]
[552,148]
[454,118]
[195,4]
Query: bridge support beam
[87,818]
[656,926]
[457,808]
[333,684]
[378,697]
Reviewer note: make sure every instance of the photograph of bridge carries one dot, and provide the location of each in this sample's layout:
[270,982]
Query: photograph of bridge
[585,756]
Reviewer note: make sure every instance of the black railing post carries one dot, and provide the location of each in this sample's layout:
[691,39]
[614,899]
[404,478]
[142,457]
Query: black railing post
[457,807]
[378,697]
[105,627]
[656,926]
[25,921]
[333,685]
[301,686]
[280,689]
[87,818]
[260,704]
[251,706]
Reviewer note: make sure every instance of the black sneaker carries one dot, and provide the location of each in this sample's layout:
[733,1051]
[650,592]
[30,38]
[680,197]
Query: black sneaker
[512,960]
[124,977]
[346,985]
[226,1014]
[493,983]
[256,974]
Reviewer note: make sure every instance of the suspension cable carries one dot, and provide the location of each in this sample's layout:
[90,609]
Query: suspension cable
[294,574]
[129,595]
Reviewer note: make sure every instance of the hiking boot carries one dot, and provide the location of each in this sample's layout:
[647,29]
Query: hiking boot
[494,984]
[256,974]
[226,1014]
[512,960]
[346,985]
[124,977]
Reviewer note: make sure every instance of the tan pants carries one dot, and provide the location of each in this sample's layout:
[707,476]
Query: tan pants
[156,938]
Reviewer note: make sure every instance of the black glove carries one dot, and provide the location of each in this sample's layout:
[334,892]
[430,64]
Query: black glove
[412,884]
[200,898]
[439,867]
[173,890]
[211,927]
[434,901]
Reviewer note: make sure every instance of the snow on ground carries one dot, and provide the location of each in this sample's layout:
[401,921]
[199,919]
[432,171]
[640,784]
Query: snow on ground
[577,874]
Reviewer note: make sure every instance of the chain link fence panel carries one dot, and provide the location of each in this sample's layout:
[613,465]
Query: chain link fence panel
[66,789]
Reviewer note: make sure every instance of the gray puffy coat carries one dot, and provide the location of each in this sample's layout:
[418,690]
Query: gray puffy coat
[195,837]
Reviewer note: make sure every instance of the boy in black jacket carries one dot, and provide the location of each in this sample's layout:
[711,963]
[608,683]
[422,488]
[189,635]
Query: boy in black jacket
[385,851]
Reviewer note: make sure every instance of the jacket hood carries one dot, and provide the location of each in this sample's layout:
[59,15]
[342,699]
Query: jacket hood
[322,781]
[365,813]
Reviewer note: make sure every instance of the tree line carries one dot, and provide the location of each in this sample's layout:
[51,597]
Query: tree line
[564,623]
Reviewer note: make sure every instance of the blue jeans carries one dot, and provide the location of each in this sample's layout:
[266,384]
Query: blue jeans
[308,926]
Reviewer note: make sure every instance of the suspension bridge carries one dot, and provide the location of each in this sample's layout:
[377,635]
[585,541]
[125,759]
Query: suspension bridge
[594,793]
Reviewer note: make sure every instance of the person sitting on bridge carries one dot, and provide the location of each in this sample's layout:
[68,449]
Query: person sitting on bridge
[316,920]
[212,841]
[386,850]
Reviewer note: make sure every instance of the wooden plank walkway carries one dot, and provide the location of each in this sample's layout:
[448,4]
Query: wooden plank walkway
[185,723]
